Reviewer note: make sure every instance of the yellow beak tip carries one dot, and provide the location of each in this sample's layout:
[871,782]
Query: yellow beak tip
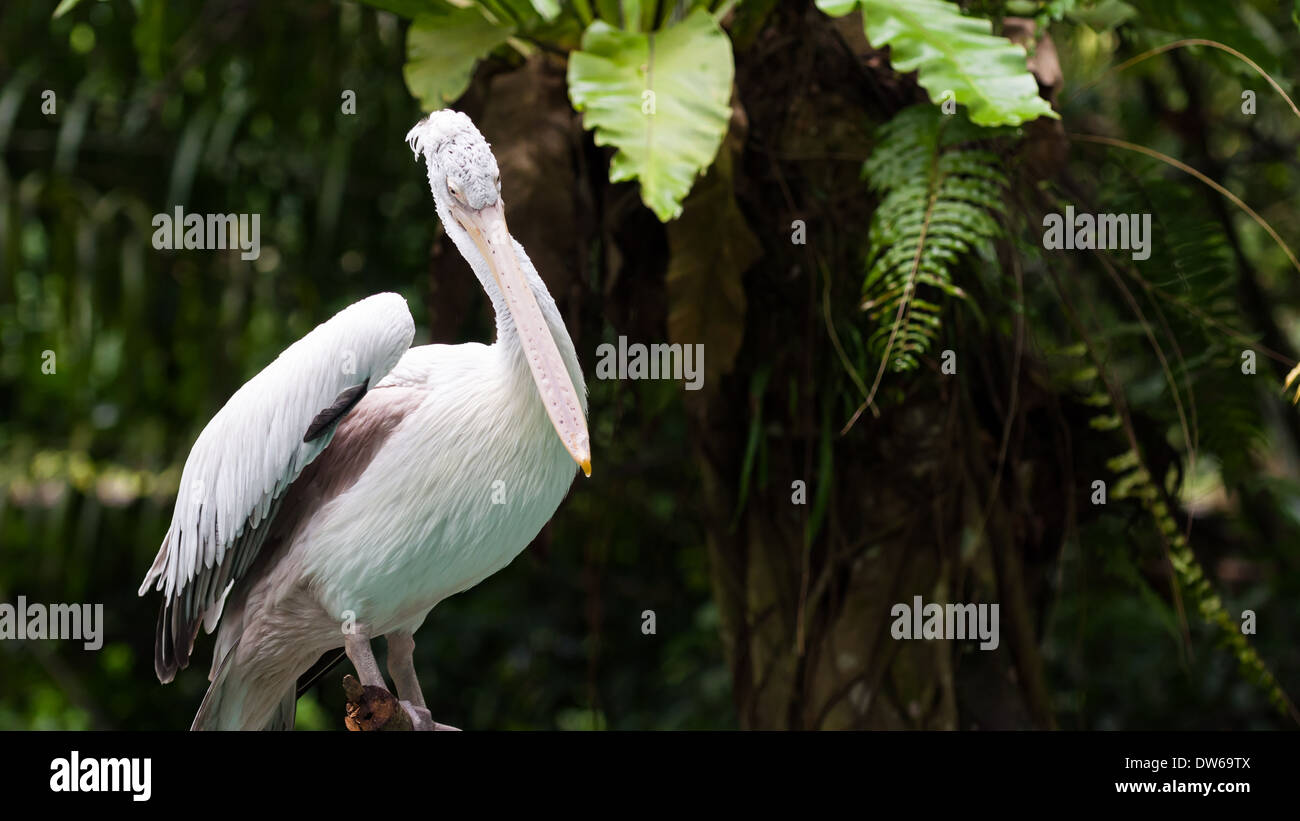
[586,467]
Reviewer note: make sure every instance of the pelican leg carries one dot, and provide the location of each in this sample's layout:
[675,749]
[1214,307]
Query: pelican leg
[401,666]
[357,645]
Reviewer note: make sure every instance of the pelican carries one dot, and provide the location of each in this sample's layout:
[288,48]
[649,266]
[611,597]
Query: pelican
[356,482]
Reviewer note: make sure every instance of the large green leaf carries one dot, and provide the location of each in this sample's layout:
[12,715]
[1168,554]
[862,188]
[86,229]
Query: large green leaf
[662,99]
[442,48]
[952,53]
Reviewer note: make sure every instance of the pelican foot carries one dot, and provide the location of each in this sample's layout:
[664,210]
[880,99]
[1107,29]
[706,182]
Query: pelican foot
[422,719]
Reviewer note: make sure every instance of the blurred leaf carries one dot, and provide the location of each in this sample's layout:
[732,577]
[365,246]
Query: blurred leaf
[1234,24]
[442,48]
[549,9]
[661,99]
[575,718]
[630,13]
[65,6]
[150,36]
[1104,16]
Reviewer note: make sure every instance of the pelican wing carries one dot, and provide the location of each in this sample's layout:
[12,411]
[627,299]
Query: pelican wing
[255,447]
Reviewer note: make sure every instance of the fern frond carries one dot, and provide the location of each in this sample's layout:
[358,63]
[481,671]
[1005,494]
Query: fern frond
[1134,481]
[939,201]
[1196,283]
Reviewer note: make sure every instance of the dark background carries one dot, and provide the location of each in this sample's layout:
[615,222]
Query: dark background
[229,106]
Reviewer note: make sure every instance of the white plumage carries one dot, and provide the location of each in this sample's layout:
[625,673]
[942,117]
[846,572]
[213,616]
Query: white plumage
[225,488]
[427,470]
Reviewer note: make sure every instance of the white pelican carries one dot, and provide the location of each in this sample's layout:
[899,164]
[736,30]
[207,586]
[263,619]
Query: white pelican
[353,484]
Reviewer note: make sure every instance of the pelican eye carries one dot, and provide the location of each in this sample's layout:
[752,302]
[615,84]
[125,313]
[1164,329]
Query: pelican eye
[498,183]
[453,188]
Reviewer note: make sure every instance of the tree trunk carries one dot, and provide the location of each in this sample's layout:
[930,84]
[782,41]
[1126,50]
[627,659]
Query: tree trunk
[806,599]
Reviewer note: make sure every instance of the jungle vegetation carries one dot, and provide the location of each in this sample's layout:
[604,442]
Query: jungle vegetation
[905,392]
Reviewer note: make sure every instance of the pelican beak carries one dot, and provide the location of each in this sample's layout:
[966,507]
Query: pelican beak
[487,228]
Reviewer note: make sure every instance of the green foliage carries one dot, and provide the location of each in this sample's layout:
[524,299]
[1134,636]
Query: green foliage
[1103,15]
[661,99]
[1134,481]
[953,55]
[1235,24]
[65,6]
[548,9]
[1194,293]
[442,48]
[656,90]
[940,199]
[1190,312]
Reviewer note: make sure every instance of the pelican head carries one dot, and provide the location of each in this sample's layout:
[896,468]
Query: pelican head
[466,185]
[462,169]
